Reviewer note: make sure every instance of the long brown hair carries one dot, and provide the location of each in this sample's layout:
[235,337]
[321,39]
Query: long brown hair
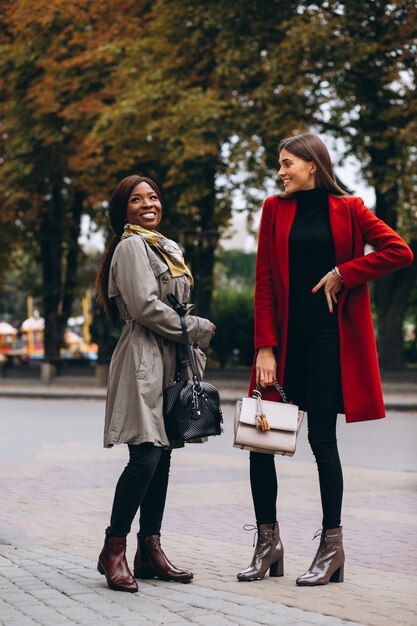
[310,147]
[117,218]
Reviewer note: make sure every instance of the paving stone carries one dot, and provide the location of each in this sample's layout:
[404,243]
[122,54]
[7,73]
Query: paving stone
[20,621]
[240,620]
[52,559]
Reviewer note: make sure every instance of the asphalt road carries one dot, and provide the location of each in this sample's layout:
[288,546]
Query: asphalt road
[56,489]
[27,424]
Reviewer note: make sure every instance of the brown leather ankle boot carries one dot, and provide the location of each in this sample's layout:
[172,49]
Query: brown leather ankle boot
[328,564]
[152,562]
[269,553]
[113,565]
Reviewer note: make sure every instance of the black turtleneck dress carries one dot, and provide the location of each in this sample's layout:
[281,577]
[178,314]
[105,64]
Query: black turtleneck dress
[311,256]
[312,370]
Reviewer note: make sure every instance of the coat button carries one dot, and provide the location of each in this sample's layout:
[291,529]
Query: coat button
[165,279]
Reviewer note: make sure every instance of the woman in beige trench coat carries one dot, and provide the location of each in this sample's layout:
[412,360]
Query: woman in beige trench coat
[139,269]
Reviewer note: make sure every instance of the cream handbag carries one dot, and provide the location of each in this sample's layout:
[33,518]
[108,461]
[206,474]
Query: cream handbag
[265,426]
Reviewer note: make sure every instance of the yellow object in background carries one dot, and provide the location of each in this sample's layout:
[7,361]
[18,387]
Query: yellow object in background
[86,303]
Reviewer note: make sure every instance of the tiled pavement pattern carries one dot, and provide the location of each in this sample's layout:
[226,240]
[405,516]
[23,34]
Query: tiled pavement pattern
[43,586]
[55,497]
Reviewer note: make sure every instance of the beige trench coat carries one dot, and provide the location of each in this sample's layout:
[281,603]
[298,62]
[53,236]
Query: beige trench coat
[144,361]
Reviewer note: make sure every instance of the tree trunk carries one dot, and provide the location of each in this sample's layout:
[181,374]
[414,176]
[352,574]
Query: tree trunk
[51,245]
[391,295]
[199,240]
[204,280]
[71,265]
[59,250]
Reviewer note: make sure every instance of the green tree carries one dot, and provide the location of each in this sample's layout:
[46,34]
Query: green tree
[235,269]
[56,59]
[197,95]
[233,312]
[233,307]
[185,114]
[353,65]
[23,278]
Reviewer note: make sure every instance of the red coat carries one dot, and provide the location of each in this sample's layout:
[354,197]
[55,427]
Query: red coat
[352,225]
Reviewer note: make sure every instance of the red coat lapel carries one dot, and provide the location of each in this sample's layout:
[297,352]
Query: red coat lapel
[283,222]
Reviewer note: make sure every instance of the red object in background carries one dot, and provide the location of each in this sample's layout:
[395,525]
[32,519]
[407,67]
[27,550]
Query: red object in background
[7,337]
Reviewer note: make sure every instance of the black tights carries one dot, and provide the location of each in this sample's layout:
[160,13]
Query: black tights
[143,483]
[312,380]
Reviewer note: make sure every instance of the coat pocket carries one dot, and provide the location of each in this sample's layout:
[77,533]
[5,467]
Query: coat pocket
[142,371]
[144,351]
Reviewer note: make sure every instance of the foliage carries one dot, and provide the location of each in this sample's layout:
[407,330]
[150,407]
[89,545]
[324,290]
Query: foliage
[232,310]
[233,316]
[23,279]
[235,268]
[184,113]
[196,95]
[411,327]
[358,63]
[221,82]
[55,64]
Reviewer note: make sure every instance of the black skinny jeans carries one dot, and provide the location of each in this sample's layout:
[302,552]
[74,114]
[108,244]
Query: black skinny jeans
[312,380]
[143,483]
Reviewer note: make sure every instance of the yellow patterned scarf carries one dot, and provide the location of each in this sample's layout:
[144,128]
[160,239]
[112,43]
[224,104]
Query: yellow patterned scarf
[166,247]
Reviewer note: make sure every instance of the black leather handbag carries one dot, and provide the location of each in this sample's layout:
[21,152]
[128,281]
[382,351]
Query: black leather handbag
[192,408]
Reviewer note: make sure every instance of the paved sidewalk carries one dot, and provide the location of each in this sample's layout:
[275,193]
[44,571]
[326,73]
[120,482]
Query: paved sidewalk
[42,586]
[56,489]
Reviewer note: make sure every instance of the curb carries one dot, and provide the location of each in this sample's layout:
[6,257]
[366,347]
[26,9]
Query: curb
[403,404]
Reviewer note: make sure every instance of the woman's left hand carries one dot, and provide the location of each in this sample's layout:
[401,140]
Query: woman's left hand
[332,285]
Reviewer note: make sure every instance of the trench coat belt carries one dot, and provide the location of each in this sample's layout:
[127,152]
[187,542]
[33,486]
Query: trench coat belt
[130,323]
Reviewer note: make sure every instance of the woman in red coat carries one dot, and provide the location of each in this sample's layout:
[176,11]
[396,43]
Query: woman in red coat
[314,333]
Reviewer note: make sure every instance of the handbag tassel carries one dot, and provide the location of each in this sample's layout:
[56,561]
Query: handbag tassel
[261,421]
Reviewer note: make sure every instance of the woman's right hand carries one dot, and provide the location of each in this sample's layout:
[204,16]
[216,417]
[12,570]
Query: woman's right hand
[266,367]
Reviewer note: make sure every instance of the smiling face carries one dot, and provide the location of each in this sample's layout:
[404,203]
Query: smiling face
[296,174]
[144,207]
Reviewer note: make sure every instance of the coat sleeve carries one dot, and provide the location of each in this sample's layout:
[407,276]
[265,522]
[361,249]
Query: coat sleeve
[390,250]
[138,287]
[266,330]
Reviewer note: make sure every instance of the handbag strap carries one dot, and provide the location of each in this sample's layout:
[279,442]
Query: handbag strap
[257,392]
[181,309]
[178,364]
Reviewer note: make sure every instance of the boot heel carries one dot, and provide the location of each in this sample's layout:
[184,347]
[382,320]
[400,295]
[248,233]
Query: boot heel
[277,568]
[338,576]
[100,568]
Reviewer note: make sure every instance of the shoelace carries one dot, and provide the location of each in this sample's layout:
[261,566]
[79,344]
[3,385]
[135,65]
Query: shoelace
[320,533]
[249,528]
